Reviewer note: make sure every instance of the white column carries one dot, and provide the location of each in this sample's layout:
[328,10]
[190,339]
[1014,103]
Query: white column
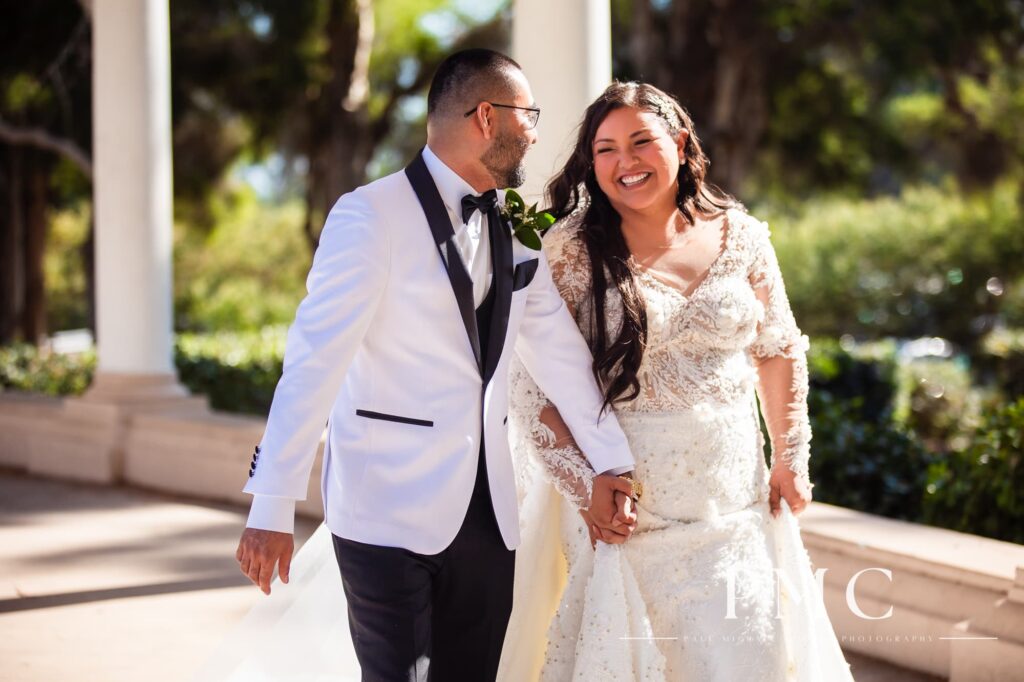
[132,191]
[564,47]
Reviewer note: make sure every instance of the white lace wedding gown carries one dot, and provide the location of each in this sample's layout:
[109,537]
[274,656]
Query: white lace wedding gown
[692,595]
[653,609]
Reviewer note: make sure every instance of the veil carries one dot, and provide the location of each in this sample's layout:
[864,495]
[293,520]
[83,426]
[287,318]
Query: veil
[299,632]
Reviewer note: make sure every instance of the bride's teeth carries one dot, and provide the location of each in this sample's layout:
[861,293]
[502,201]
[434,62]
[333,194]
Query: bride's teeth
[634,179]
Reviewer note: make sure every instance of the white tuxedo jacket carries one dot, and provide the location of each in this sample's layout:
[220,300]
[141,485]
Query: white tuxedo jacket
[384,348]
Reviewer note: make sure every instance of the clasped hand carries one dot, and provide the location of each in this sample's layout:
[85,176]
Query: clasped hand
[611,516]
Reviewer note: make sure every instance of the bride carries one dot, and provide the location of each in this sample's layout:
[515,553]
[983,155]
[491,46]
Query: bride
[677,291]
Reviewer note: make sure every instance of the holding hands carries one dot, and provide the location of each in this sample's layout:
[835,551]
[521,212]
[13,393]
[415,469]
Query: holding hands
[611,516]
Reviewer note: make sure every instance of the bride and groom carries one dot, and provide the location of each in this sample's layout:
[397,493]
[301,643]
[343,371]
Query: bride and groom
[591,404]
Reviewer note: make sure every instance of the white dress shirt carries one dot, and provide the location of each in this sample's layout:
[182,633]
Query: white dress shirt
[471,238]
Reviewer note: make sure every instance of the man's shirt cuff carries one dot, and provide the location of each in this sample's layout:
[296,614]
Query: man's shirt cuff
[269,512]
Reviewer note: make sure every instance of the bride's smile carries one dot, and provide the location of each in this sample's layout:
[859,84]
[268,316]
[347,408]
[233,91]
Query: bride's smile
[637,160]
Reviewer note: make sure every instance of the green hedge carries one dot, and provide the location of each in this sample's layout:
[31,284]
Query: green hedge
[862,456]
[1000,362]
[24,368]
[237,371]
[874,465]
[930,262]
[872,419]
[979,489]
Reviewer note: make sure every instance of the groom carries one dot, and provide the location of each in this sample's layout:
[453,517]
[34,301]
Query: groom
[417,298]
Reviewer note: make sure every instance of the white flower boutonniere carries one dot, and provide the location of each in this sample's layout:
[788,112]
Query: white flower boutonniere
[527,223]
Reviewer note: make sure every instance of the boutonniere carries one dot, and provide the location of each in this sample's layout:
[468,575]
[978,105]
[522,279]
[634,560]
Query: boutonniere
[527,223]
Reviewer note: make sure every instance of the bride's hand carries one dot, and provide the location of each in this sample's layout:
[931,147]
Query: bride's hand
[607,535]
[784,484]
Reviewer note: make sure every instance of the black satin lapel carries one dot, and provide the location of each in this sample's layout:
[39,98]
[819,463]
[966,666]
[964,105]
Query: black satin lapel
[501,261]
[444,237]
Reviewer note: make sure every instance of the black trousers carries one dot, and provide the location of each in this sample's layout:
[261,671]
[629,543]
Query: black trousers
[439,617]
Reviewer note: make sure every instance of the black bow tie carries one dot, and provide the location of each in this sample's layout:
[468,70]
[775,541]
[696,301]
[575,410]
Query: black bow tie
[483,203]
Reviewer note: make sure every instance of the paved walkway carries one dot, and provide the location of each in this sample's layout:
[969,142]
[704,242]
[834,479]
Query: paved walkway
[115,584]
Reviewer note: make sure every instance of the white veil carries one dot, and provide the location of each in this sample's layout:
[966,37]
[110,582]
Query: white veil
[299,632]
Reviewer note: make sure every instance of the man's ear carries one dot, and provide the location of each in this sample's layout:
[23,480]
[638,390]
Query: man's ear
[485,119]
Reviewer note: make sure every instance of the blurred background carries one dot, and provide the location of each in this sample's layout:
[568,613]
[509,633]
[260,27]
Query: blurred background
[883,143]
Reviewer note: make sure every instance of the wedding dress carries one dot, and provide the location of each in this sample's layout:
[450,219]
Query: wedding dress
[654,609]
[710,587]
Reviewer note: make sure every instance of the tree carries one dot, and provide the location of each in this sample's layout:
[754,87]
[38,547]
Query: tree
[322,83]
[45,127]
[326,84]
[809,94]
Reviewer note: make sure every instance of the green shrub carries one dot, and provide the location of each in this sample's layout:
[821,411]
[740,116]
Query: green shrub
[978,489]
[864,372]
[861,457]
[237,371]
[875,466]
[936,400]
[248,272]
[910,266]
[23,367]
[1000,361]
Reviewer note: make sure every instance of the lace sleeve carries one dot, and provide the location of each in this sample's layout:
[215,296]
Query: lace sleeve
[535,423]
[537,431]
[780,353]
[570,265]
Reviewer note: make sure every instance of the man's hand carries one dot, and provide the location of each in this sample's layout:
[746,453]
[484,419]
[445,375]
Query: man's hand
[260,550]
[624,510]
[608,510]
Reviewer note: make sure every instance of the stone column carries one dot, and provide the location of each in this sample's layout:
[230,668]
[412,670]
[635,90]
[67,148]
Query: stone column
[132,200]
[565,50]
[132,196]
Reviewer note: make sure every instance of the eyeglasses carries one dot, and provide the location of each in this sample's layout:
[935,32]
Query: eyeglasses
[532,115]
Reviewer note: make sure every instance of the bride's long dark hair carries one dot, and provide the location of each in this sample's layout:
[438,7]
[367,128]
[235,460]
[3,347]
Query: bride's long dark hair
[617,361]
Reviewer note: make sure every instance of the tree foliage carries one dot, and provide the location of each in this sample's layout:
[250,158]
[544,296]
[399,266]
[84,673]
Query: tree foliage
[794,96]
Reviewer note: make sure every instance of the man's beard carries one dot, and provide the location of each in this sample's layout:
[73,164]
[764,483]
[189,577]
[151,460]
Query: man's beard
[505,160]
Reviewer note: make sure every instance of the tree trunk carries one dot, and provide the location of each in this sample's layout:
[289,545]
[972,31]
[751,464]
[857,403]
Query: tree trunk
[710,55]
[342,136]
[88,254]
[12,231]
[22,246]
[739,108]
[340,142]
[36,227]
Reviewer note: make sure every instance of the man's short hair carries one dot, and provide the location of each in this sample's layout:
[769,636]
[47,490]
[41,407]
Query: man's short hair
[468,77]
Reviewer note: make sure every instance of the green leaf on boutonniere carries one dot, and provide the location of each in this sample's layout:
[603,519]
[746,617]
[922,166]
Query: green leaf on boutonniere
[529,238]
[527,223]
[513,201]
